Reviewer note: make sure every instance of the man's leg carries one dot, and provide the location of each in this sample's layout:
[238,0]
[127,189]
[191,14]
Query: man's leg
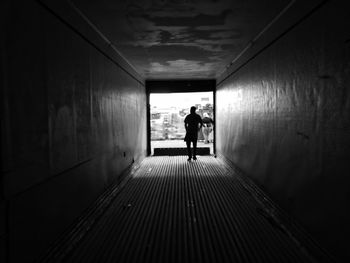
[188,143]
[194,149]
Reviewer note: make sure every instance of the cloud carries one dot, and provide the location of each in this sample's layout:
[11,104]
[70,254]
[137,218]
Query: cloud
[158,67]
[182,65]
[213,42]
[181,8]
[173,13]
[225,34]
[200,44]
[141,24]
[177,38]
[147,39]
[149,31]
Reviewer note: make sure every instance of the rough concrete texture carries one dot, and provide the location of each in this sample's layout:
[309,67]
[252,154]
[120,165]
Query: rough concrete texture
[284,119]
[76,120]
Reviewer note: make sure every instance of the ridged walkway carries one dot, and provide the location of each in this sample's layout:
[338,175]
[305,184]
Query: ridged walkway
[178,211]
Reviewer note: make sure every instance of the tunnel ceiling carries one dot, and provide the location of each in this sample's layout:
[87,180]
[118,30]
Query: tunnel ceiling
[180,39]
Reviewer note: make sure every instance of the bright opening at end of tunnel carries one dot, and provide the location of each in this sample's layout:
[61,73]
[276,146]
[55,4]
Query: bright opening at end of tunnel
[168,112]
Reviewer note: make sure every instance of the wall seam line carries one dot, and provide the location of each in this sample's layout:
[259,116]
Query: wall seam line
[302,19]
[89,41]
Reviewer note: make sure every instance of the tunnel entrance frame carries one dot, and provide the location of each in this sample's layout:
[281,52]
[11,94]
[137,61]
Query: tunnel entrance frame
[178,86]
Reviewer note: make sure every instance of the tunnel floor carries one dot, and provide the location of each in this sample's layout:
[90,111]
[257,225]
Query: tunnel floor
[172,210]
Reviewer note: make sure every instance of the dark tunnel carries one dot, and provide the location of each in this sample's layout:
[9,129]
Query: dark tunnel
[76,77]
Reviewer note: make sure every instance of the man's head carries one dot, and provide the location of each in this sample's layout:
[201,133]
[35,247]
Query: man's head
[193,109]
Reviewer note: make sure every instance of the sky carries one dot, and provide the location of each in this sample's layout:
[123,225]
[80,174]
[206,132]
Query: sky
[165,100]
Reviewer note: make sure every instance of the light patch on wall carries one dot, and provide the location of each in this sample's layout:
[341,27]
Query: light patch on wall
[232,99]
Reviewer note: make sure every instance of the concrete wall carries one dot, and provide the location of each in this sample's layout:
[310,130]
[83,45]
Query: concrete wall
[74,119]
[283,117]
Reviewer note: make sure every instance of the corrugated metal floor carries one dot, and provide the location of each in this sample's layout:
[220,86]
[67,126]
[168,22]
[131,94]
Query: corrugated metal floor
[178,211]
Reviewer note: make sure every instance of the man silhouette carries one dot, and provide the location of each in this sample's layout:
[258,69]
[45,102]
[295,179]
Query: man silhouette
[193,123]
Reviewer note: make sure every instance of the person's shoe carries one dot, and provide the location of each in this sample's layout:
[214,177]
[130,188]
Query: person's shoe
[194,158]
